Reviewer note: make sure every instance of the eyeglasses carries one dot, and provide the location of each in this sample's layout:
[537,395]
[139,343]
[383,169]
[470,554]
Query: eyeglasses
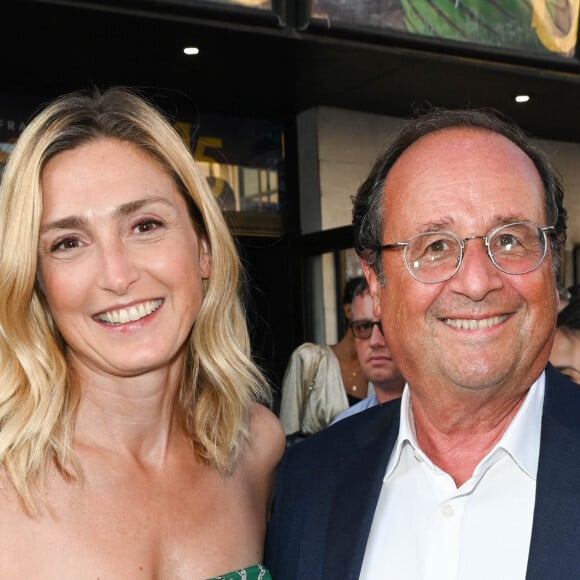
[364,328]
[433,257]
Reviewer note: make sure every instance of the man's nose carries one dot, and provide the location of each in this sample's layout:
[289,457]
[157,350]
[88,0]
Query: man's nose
[477,274]
[377,337]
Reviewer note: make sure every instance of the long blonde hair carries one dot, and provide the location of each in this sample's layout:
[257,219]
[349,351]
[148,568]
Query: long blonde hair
[38,397]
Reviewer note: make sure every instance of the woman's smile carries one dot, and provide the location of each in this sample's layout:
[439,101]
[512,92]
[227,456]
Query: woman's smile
[129,313]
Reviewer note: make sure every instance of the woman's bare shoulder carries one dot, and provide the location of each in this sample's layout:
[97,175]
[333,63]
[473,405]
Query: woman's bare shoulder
[267,439]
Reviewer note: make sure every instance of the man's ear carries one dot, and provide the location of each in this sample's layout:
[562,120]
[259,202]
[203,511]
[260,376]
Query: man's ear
[374,286]
[347,311]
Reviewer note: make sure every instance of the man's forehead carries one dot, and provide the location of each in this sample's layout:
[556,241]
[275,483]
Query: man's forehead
[450,169]
[362,304]
[461,136]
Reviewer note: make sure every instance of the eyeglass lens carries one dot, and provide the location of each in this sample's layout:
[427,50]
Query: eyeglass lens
[364,328]
[514,249]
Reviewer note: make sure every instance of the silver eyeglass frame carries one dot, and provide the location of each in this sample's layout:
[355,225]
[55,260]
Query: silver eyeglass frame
[461,242]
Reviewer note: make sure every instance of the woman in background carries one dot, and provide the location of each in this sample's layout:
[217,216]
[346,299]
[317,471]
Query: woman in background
[321,381]
[133,438]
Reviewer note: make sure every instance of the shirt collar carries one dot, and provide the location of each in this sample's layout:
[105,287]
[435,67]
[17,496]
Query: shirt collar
[521,440]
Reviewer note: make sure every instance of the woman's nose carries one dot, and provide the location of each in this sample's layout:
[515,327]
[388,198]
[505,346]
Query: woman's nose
[118,270]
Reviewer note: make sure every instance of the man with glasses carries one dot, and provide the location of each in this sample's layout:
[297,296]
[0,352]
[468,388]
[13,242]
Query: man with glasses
[475,472]
[374,356]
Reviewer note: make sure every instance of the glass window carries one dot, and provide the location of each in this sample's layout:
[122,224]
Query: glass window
[242,159]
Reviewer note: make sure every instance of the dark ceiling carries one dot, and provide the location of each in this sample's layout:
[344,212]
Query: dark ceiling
[250,66]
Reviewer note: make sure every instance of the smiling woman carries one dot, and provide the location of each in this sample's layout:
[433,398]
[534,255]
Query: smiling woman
[129,404]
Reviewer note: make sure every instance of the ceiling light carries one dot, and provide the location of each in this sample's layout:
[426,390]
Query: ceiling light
[522,98]
[189,50]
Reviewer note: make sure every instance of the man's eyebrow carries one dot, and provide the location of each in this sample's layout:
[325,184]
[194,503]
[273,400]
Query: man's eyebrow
[447,223]
[72,222]
[440,225]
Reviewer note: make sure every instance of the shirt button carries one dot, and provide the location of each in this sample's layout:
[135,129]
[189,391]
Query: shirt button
[448,511]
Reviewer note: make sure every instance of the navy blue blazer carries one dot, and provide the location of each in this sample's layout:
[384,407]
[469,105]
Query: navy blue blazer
[328,486]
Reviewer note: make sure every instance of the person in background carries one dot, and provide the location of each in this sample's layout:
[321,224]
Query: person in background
[385,379]
[133,429]
[321,381]
[473,472]
[564,294]
[565,355]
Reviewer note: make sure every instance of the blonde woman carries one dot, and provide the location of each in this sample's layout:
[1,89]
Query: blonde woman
[133,438]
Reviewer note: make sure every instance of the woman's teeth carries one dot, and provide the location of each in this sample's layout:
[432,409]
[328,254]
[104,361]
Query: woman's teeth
[131,313]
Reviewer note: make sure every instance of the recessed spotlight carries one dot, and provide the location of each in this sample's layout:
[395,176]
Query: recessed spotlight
[190,50]
[522,98]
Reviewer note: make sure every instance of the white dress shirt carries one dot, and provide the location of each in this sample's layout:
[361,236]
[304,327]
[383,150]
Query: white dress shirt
[425,528]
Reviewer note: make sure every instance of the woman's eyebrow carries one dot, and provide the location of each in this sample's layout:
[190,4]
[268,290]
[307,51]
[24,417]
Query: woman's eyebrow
[133,206]
[73,221]
[69,222]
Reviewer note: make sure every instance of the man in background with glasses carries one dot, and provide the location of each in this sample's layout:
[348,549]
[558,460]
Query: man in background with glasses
[475,472]
[374,356]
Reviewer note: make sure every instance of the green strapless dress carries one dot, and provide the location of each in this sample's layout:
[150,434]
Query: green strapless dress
[257,572]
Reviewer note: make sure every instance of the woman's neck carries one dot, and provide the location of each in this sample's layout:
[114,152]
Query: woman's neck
[133,415]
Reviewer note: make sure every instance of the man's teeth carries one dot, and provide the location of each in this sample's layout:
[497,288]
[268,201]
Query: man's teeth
[130,314]
[470,324]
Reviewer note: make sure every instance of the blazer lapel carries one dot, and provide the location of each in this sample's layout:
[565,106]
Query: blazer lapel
[555,542]
[357,489]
